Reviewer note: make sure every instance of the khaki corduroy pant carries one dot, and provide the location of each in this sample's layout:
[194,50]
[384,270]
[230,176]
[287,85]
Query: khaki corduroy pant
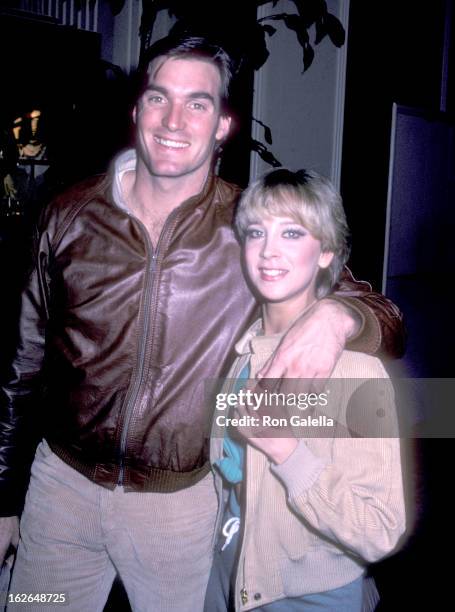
[76,535]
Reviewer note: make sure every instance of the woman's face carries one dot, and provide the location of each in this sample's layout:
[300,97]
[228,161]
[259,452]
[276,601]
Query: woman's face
[283,259]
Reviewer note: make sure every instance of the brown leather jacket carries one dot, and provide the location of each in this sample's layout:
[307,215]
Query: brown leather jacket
[118,338]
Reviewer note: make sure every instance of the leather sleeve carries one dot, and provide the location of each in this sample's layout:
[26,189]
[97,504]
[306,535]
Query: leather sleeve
[382,331]
[19,418]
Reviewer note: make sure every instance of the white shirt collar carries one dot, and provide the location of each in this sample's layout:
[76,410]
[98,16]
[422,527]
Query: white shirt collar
[124,162]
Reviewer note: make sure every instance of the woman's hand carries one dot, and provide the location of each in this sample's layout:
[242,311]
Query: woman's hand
[276,449]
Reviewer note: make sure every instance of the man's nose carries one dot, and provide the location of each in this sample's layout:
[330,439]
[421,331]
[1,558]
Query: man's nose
[173,119]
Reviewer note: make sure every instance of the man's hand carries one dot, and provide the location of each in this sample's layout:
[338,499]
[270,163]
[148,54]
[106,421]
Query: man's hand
[312,346]
[9,534]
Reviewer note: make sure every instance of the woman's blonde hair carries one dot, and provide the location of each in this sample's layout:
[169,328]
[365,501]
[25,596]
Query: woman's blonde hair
[312,201]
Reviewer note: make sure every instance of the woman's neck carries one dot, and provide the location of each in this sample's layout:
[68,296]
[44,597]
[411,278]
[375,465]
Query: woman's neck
[278,317]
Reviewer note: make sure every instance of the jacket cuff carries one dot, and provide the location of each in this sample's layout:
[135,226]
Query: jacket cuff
[369,337]
[300,470]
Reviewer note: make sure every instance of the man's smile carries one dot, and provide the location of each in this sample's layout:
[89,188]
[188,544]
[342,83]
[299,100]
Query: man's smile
[172,144]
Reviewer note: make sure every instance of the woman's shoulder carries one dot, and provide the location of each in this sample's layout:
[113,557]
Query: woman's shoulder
[353,364]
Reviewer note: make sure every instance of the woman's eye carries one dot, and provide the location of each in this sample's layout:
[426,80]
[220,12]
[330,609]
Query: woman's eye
[254,233]
[293,233]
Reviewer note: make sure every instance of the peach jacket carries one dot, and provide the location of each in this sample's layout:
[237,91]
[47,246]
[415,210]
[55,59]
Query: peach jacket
[312,523]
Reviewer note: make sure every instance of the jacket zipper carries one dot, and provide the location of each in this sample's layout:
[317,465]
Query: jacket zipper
[241,595]
[241,568]
[150,282]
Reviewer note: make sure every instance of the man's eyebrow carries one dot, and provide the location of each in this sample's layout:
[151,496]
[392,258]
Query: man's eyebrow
[204,95]
[154,87]
[199,95]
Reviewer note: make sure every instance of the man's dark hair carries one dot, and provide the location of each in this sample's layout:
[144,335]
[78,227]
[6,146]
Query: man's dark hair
[184,46]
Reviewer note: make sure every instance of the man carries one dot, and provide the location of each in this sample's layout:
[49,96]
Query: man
[136,299]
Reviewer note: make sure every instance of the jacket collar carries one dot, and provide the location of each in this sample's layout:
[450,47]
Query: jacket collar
[253,341]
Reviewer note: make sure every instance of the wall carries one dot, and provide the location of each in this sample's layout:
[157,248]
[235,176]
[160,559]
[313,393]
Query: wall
[126,45]
[305,112]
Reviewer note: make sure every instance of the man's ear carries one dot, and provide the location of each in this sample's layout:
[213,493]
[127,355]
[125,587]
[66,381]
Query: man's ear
[325,259]
[134,113]
[224,125]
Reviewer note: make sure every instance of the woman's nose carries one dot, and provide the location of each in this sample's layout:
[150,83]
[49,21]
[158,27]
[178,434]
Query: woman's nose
[269,247]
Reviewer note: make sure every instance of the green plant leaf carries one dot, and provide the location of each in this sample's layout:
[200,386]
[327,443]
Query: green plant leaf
[269,29]
[115,5]
[264,153]
[309,11]
[308,56]
[294,22]
[321,31]
[335,30]
[256,50]
[267,131]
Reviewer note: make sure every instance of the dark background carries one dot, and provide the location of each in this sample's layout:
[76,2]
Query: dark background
[395,54]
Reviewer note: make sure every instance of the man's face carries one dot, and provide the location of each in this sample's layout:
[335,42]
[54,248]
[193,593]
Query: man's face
[178,118]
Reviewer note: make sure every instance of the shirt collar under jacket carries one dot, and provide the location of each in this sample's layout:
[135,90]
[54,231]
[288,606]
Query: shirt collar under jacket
[254,342]
[124,162]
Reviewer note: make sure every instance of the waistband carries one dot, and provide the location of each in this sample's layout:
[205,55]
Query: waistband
[142,479]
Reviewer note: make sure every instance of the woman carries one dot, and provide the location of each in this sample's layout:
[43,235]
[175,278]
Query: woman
[303,513]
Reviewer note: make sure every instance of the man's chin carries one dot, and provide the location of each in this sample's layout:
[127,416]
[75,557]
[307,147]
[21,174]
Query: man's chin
[173,171]
[164,170]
